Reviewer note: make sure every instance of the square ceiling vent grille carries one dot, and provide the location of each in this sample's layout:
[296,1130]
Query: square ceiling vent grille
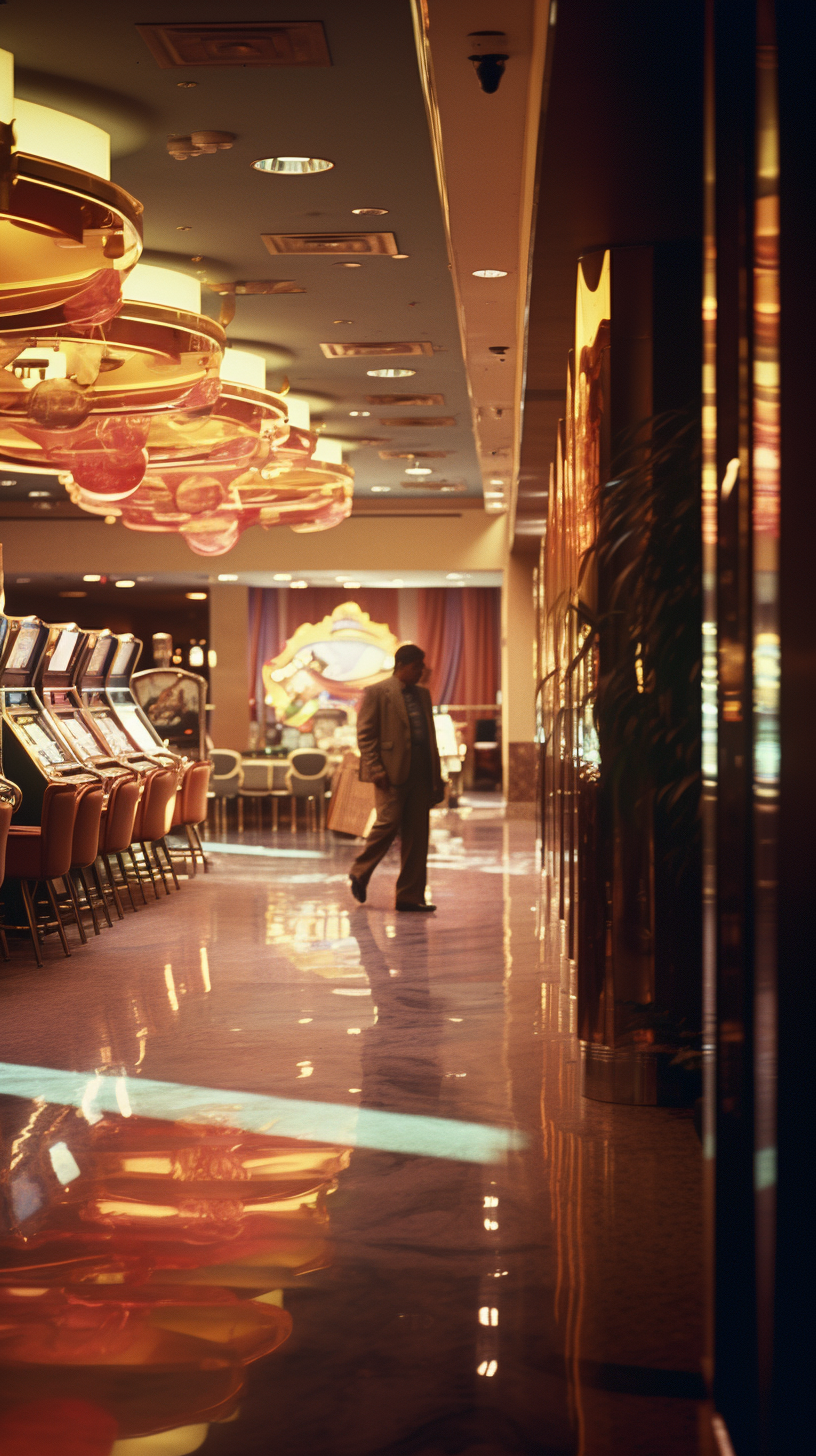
[327,245]
[414,399]
[419,422]
[258,43]
[373,351]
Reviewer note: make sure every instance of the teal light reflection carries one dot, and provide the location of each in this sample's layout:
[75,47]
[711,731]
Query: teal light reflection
[335,1122]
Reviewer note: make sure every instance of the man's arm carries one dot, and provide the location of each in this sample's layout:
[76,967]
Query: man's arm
[436,766]
[368,738]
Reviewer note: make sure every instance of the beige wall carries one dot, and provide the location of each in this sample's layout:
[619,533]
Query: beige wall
[471,541]
[518,688]
[229,679]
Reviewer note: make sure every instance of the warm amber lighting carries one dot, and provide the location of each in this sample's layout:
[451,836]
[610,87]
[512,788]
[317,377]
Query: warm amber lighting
[293,166]
[43,132]
[196,596]
[240,366]
[166,287]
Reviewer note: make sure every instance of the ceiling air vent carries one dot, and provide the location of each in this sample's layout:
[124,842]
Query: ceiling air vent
[414,399]
[414,454]
[335,245]
[256,43]
[419,422]
[371,351]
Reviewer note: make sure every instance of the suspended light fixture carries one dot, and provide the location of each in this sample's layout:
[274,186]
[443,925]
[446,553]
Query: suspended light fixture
[84,404]
[68,235]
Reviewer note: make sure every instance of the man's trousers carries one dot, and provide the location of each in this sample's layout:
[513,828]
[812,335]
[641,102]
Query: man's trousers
[403,809]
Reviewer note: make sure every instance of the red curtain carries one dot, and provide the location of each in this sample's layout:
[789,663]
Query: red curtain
[314,603]
[459,629]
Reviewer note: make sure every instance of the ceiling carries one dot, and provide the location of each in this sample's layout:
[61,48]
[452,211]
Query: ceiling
[366,113]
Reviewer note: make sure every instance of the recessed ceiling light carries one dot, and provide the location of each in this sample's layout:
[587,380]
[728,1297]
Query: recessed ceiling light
[419,470]
[353,414]
[342,321]
[282,576]
[184,229]
[496,480]
[298,585]
[293,166]
[390,373]
[8,482]
[490,272]
[73,594]
[370,211]
[39,494]
[446,489]
[110,520]
[124,581]
[92,578]
[455,576]
[193,596]
[352,585]
[348,265]
[380,489]
[186,85]
[397,256]
[227,576]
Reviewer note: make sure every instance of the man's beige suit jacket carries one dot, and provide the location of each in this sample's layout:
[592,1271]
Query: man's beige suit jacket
[384,733]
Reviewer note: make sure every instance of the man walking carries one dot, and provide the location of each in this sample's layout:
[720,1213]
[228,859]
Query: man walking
[399,756]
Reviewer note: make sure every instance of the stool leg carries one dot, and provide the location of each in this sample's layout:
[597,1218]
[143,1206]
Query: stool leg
[72,895]
[191,843]
[138,874]
[240,815]
[55,907]
[275,814]
[32,920]
[143,848]
[101,893]
[83,880]
[159,866]
[200,847]
[293,813]
[4,944]
[126,880]
[111,881]
[169,858]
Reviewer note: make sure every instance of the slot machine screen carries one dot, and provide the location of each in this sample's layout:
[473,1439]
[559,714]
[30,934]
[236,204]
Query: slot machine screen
[23,649]
[137,729]
[98,656]
[61,656]
[117,741]
[83,741]
[44,746]
[124,656]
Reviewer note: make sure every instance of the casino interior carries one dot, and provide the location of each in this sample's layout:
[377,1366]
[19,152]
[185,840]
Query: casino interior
[557,1131]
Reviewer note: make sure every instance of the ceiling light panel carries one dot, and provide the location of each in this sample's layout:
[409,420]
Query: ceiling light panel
[389,373]
[293,166]
[332,244]
[371,351]
[414,454]
[258,43]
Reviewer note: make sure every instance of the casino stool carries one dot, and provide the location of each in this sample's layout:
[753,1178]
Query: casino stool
[41,853]
[227,777]
[116,833]
[10,799]
[191,807]
[84,850]
[307,775]
[153,823]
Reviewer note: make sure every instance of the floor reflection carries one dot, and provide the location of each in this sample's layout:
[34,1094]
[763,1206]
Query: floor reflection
[283,1173]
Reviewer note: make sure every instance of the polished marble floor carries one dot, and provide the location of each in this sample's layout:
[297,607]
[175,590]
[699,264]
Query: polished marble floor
[286,1174]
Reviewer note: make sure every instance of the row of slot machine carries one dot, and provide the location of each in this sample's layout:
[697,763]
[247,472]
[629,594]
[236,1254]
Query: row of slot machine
[144,1262]
[70,712]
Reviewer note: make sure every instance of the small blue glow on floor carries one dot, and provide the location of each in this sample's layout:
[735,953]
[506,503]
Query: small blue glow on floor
[333,1122]
[262,849]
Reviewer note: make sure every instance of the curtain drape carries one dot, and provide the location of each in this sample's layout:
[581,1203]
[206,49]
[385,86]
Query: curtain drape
[457,626]
[459,630]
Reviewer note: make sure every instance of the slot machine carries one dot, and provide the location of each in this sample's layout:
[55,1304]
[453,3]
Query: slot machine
[127,738]
[175,704]
[34,751]
[56,683]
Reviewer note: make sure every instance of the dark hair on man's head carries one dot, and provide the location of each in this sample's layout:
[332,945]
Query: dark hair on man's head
[408,652]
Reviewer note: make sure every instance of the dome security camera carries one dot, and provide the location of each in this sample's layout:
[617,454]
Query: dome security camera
[488,57]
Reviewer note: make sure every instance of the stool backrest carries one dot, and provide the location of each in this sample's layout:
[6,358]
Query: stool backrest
[57,829]
[226,775]
[85,841]
[256,775]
